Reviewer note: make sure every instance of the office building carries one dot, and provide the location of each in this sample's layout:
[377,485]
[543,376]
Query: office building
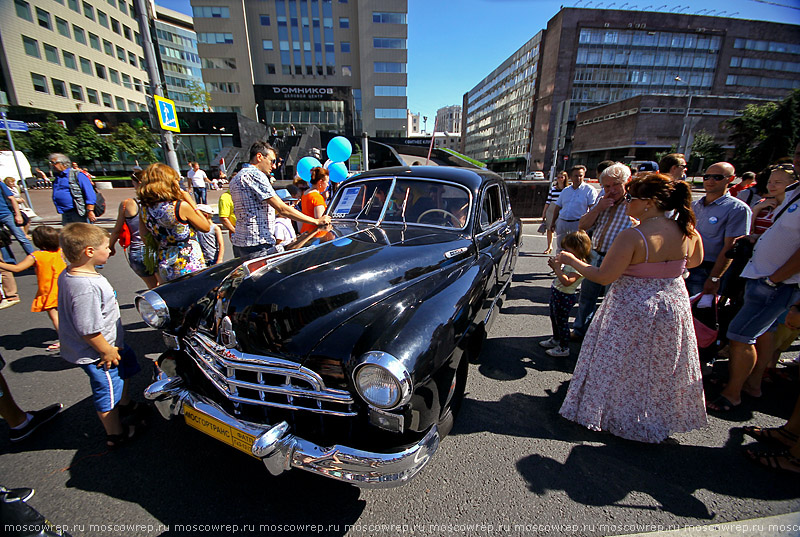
[412,123]
[448,119]
[176,44]
[335,64]
[72,55]
[592,57]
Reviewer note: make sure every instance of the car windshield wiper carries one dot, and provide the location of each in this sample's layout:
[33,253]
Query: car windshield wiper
[405,202]
[367,206]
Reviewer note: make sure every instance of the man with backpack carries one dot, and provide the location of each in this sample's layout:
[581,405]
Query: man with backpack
[73,192]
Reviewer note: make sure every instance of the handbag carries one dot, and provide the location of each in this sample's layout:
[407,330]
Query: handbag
[706,322]
[543,228]
[125,235]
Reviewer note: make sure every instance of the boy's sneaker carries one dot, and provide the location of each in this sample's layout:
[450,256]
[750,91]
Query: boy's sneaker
[558,351]
[39,418]
[549,343]
[8,302]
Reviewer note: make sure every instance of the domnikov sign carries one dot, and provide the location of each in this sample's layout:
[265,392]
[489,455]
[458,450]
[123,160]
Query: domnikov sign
[297,93]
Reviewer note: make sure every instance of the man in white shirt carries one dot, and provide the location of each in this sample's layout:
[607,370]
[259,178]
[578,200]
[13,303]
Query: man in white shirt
[572,204]
[197,178]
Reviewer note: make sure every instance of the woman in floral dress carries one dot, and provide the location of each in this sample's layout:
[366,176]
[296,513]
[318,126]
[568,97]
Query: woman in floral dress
[638,373]
[170,218]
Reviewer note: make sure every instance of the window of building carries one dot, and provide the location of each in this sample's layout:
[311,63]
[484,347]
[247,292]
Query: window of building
[113,74]
[23,10]
[137,85]
[100,70]
[63,27]
[132,106]
[345,46]
[120,53]
[94,41]
[388,42]
[132,58]
[330,70]
[107,100]
[266,44]
[211,12]
[31,46]
[44,18]
[126,81]
[108,47]
[215,38]
[39,83]
[120,104]
[389,18]
[102,18]
[390,67]
[223,87]
[80,35]
[390,91]
[124,8]
[88,10]
[77,92]
[344,22]
[127,33]
[264,20]
[347,70]
[142,64]
[74,6]
[51,54]
[390,113]
[91,96]
[69,60]
[270,68]
[115,27]
[59,88]
[287,69]
[219,63]
[86,66]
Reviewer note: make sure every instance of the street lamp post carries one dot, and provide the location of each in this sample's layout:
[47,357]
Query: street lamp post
[684,145]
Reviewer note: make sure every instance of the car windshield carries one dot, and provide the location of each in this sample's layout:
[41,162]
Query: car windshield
[413,201]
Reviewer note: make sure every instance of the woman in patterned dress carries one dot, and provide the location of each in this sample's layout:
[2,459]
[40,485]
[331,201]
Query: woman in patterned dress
[170,218]
[638,373]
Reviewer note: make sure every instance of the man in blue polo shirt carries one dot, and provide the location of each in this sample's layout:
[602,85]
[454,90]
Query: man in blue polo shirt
[74,200]
[721,218]
[572,204]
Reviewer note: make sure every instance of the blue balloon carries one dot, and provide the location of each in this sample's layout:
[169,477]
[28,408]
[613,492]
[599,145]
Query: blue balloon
[339,149]
[337,172]
[305,165]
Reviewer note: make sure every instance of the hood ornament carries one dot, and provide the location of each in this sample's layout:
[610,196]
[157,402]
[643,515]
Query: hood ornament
[227,336]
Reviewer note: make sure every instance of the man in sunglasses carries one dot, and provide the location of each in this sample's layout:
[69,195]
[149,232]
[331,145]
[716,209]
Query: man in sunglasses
[721,218]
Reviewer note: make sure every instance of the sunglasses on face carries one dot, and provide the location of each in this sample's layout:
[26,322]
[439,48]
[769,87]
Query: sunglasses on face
[715,177]
[629,198]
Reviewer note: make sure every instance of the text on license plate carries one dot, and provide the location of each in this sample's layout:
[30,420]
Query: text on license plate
[216,429]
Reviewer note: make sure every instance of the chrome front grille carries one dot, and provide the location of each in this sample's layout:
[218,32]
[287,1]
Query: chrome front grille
[263,380]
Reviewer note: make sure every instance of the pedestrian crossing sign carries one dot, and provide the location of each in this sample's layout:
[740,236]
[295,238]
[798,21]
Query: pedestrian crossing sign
[166,114]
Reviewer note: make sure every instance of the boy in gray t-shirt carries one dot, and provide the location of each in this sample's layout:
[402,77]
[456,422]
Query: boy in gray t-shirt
[90,329]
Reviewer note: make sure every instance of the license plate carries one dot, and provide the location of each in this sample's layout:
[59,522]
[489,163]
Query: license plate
[219,430]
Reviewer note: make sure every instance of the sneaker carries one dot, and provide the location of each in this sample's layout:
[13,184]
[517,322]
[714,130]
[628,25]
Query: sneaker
[8,302]
[549,343]
[558,351]
[40,417]
[22,494]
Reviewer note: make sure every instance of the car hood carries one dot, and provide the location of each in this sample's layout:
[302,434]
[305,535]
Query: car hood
[288,306]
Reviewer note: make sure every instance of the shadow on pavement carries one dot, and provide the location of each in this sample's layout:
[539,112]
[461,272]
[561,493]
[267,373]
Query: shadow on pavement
[16,342]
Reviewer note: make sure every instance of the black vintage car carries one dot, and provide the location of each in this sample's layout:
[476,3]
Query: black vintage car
[345,355]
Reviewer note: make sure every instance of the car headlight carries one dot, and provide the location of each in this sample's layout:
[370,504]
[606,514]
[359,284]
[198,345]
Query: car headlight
[382,380]
[153,309]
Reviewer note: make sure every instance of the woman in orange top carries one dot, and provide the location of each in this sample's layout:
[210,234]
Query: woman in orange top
[313,201]
[48,264]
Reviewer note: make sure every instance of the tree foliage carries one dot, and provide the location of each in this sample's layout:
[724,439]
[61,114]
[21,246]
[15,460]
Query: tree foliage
[764,133]
[50,137]
[705,147]
[137,142]
[91,146]
[198,95]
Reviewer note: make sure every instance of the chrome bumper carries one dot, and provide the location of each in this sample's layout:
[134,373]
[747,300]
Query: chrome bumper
[280,450]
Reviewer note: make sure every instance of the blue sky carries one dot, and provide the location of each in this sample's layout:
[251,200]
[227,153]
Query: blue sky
[454,44]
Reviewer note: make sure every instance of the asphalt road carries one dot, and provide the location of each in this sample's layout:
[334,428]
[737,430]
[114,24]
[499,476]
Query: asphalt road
[511,466]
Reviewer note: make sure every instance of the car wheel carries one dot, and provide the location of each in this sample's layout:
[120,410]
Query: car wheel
[455,399]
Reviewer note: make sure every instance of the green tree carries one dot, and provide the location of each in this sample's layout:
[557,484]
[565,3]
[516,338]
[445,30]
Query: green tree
[136,142]
[50,138]
[198,95]
[765,133]
[21,140]
[91,146]
[705,147]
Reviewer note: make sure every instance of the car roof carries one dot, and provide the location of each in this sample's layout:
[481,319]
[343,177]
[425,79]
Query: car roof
[469,177]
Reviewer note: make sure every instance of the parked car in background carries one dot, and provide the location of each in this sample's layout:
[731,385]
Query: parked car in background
[535,176]
[345,355]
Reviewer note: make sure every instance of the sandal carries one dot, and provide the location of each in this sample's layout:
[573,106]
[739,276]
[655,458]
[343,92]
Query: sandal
[54,347]
[134,412]
[782,460]
[721,404]
[774,436]
[115,441]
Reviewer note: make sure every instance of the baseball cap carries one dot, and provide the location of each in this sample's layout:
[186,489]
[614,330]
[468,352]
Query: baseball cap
[648,166]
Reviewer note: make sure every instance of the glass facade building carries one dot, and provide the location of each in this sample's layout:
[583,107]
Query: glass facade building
[176,42]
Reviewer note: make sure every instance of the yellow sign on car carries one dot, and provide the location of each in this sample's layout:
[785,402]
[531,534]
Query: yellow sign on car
[167,115]
[216,429]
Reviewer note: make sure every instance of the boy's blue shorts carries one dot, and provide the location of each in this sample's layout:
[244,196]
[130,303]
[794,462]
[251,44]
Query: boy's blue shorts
[107,385]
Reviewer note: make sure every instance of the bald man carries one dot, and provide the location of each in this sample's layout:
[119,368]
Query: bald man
[721,218]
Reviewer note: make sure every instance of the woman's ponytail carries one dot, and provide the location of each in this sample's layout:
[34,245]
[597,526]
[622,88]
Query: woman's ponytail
[680,200]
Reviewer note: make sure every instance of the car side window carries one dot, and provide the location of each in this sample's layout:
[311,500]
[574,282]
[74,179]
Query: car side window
[491,208]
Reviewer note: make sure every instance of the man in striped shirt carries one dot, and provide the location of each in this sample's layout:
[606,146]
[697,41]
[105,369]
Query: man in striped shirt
[607,218]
